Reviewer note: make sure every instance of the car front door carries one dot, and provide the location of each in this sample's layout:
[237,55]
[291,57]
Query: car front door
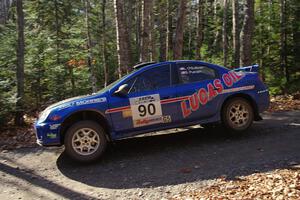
[198,88]
[146,106]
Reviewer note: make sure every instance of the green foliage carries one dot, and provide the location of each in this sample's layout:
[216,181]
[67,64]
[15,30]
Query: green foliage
[7,75]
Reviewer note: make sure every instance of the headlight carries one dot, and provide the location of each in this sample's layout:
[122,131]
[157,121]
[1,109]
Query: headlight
[43,116]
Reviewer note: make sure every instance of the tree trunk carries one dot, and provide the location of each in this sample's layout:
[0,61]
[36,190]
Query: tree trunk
[178,43]
[57,28]
[129,15]
[4,8]
[163,30]
[247,34]
[235,33]
[170,29]
[90,64]
[105,68]
[19,117]
[209,31]
[138,29]
[217,28]
[261,44]
[199,29]
[145,35]
[124,57]
[225,38]
[153,54]
[40,75]
[270,17]
[283,41]
[2,12]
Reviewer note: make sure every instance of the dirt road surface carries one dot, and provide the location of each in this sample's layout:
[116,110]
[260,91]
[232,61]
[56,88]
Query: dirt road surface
[153,167]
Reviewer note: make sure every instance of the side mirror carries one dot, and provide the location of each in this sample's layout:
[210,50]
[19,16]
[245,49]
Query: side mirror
[122,90]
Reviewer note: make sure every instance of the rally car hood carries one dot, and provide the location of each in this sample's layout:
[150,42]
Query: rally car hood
[66,101]
[80,101]
[73,101]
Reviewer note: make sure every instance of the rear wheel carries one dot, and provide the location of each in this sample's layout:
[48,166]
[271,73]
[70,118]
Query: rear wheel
[237,114]
[85,141]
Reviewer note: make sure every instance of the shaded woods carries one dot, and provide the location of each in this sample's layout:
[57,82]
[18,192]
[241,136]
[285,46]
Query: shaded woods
[52,50]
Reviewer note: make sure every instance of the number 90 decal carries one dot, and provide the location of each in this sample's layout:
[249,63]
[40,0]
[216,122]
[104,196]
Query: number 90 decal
[143,110]
[146,110]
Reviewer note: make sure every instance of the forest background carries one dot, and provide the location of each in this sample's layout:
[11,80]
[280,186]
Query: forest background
[52,50]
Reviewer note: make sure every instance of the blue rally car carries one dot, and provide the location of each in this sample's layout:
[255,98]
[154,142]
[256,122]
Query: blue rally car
[155,96]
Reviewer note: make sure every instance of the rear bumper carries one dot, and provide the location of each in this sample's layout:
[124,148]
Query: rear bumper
[263,102]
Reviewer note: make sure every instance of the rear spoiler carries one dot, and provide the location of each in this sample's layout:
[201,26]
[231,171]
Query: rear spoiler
[252,68]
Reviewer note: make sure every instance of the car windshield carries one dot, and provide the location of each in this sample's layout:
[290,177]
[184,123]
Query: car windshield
[113,83]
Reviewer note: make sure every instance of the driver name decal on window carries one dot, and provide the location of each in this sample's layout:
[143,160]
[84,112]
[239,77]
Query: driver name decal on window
[195,73]
[146,110]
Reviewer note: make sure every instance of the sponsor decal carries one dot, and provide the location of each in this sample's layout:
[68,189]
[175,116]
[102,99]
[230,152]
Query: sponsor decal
[262,91]
[146,110]
[167,119]
[54,126]
[126,113]
[90,101]
[204,95]
[248,87]
[67,105]
[51,135]
[82,102]
[147,121]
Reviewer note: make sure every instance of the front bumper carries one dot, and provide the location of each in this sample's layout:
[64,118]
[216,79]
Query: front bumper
[47,134]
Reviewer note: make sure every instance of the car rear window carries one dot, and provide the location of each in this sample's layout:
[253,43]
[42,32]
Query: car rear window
[190,73]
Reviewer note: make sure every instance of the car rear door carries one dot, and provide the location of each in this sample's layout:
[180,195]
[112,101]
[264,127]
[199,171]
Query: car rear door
[197,89]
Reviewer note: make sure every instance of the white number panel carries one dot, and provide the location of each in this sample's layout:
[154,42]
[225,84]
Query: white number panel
[146,110]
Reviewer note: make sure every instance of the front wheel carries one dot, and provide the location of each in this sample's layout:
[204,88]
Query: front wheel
[85,141]
[237,114]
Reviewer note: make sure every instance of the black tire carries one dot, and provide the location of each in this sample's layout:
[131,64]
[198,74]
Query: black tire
[240,120]
[84,135]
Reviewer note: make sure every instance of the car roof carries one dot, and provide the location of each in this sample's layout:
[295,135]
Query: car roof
[154,64]
[142,64]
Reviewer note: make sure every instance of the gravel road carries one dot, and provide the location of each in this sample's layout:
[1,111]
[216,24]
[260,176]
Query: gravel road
[153,167]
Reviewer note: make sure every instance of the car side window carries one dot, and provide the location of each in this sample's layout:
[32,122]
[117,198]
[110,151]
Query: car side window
[190,73]
[152,79]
